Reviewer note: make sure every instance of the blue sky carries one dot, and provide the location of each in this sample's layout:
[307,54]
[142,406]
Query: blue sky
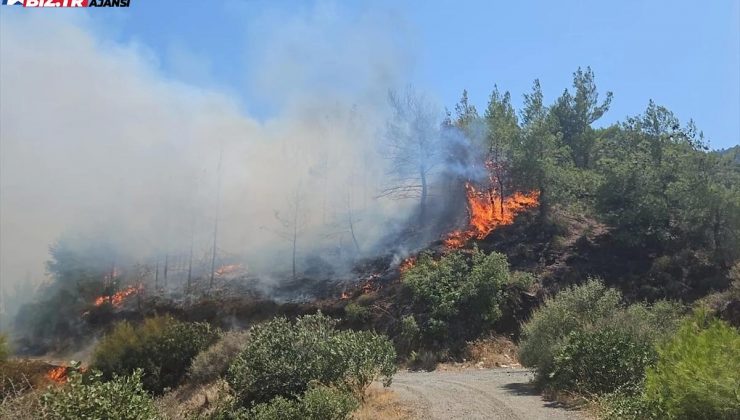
[683,54]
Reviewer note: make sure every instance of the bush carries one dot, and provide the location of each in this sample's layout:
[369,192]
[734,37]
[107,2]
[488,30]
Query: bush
[408,335]
[161,346]
[214,362]
[322,403]
[356,313]
[121,398]
[4,348]
[600,361]
[364,356]
[627,406]
[20,376]
[574,333]
[453,290]
[570,310]
[318,403]
[281,359]
[696,375]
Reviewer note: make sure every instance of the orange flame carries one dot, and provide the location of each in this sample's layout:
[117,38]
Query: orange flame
[487,212]
[407,264]
[117,298]
[57,374]
[228,269]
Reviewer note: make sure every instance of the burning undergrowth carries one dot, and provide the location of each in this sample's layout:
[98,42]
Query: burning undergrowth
[488,210]
[234,295]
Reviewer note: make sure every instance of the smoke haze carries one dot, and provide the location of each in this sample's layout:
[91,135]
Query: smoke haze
[98,143]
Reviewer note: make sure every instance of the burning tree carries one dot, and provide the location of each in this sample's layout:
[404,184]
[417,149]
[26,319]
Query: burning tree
[414,147]
[502,135]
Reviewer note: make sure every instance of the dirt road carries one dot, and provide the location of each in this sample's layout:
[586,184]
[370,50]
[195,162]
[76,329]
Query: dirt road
[476,394]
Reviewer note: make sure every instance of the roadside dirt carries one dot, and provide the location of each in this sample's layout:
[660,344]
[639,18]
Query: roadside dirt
[476,394]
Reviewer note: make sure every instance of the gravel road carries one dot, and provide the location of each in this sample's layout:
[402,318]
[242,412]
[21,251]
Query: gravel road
[476,394]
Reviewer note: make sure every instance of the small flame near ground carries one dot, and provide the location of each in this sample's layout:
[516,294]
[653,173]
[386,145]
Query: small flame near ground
[487,212]
[117,298]
[57,374]
[407,264]
[230,269]
[370,285]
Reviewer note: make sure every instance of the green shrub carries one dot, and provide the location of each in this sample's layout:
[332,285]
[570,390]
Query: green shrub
[570,310]
[4,348]
[600,361]
[648,324]
[161,346]
[123,397]
[696,375]
[577,328]
[356,313]
[457,296]
[282,358]
[627,405]
[322,403]
[214,362]
[408,336]
[364,356]
[318,403]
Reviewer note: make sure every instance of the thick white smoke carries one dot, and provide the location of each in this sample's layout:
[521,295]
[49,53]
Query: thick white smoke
[95,138]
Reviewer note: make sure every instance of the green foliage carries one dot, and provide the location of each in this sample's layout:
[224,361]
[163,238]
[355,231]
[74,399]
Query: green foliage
[627,405]
[123,397]
[696,376]
[322,403]
[282,359]
[214,362]
[356,313]
[600,361]
[570,310]
[4,348]
[649,178]
[574,114]
[453,290]
[409,334]
[161,346]
[584,339]
[318,403]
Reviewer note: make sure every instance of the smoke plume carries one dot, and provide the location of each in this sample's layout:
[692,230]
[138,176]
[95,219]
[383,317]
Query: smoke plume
[98,143]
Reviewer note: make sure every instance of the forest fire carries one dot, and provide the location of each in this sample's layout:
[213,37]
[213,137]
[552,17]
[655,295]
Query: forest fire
[488,211]
[227,270]
[407,264]
[372,284]
[57,374]
[117,298]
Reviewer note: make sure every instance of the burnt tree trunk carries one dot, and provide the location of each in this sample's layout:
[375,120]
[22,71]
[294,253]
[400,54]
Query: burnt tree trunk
[424,194]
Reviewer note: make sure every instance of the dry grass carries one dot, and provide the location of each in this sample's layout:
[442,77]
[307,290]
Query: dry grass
[382,403]
[486,353]
[587,408]
[24,406]
[22,375]
[495,351]
[192,400]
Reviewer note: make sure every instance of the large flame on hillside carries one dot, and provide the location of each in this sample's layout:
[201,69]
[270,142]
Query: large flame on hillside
[488,211]
[117,298]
